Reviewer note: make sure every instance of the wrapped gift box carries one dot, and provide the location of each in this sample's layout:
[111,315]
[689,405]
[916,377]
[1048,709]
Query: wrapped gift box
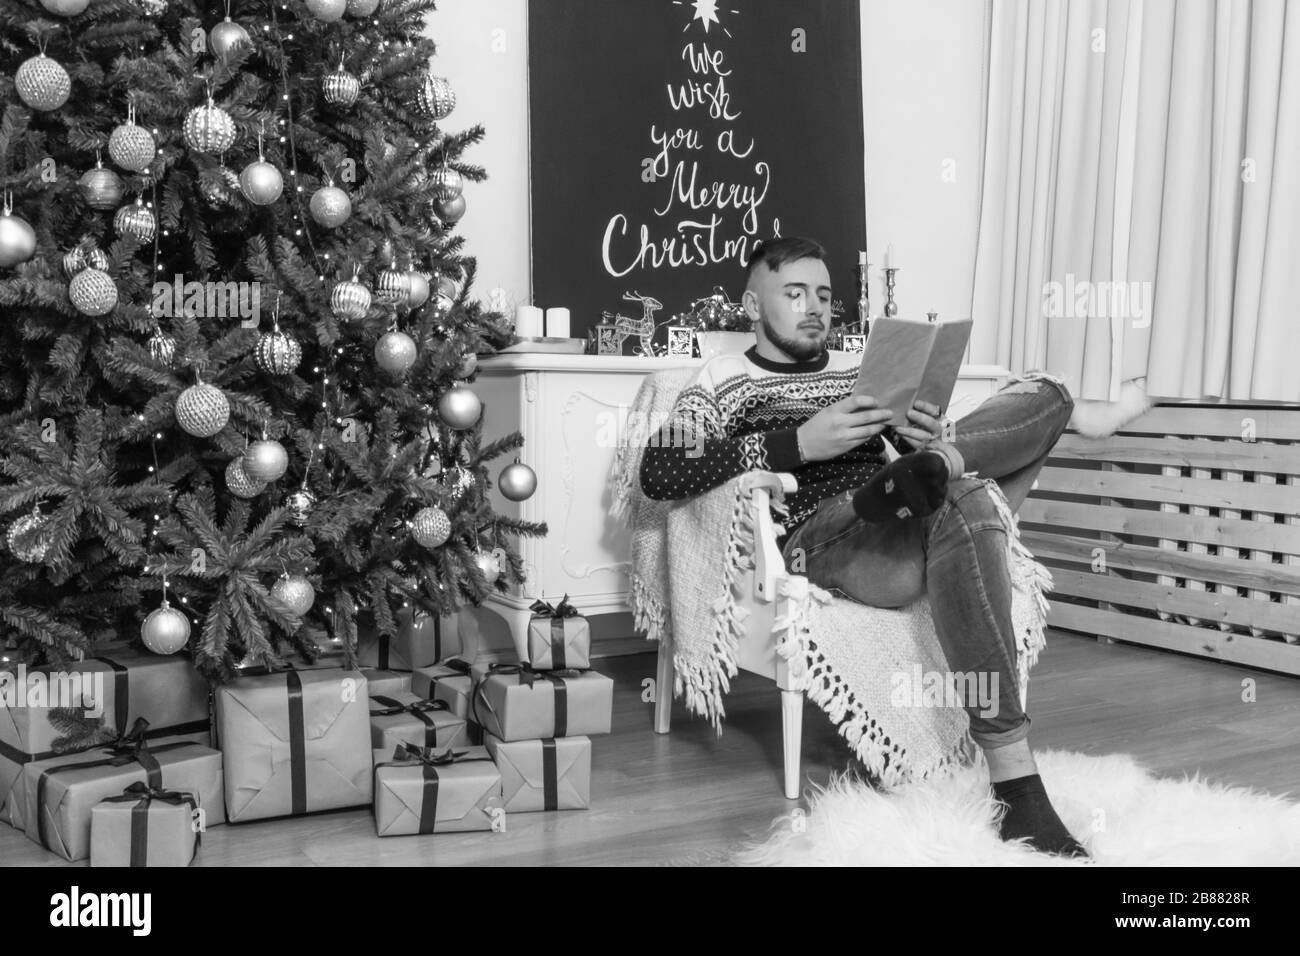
[407,718]
[449,681]
[294,742]
[58,794]
[419,642]
[513,702]
[166,690]
[387,682]
[558,637]
[550,774]
[144,827]
[423,791]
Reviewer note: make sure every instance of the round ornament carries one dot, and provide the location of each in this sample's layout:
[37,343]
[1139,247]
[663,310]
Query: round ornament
[261,183]
[447,184]
[92,292]
[393,287]
[209,129]
[135,221]
[419,283]
[277,353]
[330,206]
[296,594]
[450,210]
[327,11]
[446,287]
[468,365]
[300,504]
[17,240]
[395,352]
[33,551]
[350,300]
[65,8]
[487,563]
[340,88]
[517,482]
[101,188]
[202,410]
[431,527]
[362,8]
[132,147]
[42,83]
[166,630]
[442,305]
[436,98]
[162,347]
[266,460]
[239,482]
[225,37]
[460,407]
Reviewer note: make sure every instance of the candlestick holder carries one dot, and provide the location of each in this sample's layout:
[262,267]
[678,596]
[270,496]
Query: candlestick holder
[891,307]
[932,316]
[864,299]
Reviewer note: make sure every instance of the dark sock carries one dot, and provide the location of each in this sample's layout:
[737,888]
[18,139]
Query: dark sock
[910,486]
[1030,814]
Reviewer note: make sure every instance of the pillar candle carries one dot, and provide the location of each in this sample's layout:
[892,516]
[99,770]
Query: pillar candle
[528,322]
[557,323]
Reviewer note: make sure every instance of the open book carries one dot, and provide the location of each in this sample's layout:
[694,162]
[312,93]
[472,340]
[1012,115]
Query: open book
[905,362]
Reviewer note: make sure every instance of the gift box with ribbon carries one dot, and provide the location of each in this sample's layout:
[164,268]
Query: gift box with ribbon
[550,774]
[449,681]
[55,797]
[144,826]
[516,702]
[407,718]
[168,691]
[294,742]
[419,642]
[558,637]
[419,790]
[387,682]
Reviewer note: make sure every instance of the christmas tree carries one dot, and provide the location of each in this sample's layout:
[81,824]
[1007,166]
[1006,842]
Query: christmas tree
[236,330]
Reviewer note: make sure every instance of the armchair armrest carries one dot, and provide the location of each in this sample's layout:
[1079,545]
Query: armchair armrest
[769,566]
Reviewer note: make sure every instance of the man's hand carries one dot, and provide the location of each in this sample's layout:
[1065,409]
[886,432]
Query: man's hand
[928,424]
[842,427]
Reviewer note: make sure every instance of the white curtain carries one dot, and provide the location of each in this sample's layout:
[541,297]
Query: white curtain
[1142,157]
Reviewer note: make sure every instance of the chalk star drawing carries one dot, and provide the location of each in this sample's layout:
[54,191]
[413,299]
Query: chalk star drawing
[706,11]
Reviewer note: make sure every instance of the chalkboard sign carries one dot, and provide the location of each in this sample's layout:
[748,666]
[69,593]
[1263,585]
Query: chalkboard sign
[668,135]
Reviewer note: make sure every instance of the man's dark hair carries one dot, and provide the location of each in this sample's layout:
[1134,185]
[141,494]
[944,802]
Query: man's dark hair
[777,252]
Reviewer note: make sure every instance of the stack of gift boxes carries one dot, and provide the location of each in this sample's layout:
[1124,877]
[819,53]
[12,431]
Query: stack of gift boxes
[434,743]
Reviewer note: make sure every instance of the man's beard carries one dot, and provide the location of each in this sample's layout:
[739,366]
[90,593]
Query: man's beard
[801,350]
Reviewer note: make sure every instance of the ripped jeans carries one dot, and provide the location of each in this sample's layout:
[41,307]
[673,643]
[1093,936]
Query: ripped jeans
[957,556]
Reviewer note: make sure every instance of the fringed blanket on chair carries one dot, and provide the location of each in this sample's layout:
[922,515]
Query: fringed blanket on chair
[690,561]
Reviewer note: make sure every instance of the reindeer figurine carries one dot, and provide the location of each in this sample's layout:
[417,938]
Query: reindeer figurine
[643,328]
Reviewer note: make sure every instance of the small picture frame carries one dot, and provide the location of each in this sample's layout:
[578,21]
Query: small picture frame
[607,342]
[854,342]
[681,340]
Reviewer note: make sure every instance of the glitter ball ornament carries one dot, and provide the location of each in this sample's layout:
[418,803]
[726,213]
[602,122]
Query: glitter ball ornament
[209,129]
[295,593]
[435,97]
[362,8]
[301,504]
[65,8]
[460,407]
[162,347]
[517,482]
[419,294]
[468,365]
[277,353]
[202,410]
[447,184]
[350,300]
[487,563]
[42,83]
[17,240]
[132,147]
[92,292]
[330,206]
[33,551]
[340,88]
[239,482]
[431,527]
[450,210]
[135,221]
[261,183]
[225,37]
[166,630]
[395,352]
[266,460]
[222,190]
[102,188]
[327,11]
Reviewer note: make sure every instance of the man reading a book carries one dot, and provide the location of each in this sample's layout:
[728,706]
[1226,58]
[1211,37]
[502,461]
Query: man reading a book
[880,531]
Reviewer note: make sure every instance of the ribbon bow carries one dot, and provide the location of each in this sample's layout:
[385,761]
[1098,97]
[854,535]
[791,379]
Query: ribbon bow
[563,609]
[141,790]
[430,757]
[418,707]
[130,744]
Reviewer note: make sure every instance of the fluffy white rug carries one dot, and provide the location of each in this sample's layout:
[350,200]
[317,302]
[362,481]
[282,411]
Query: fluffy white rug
[1124,815]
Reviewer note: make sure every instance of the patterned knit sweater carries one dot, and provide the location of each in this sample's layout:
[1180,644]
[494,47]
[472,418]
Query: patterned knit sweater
[740,413]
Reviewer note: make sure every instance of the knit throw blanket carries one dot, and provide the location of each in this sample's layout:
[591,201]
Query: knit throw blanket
[692,579]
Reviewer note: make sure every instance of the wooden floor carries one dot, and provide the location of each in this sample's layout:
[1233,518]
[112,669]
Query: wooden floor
[692,798]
